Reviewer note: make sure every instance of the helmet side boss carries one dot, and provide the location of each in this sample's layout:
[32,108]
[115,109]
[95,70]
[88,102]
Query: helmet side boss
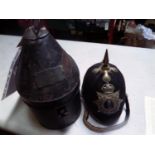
[104,96]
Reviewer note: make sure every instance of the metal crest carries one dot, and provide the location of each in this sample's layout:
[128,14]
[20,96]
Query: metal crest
[108,101]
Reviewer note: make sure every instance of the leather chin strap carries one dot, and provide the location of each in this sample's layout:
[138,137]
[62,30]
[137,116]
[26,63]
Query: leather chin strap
[110,128]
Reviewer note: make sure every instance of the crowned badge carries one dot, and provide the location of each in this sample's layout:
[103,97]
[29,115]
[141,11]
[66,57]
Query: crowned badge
[108,101]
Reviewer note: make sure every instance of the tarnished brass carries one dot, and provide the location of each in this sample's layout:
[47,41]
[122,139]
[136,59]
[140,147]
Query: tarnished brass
[108,101]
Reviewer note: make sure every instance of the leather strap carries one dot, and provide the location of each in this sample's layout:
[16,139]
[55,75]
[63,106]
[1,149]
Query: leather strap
[110,128]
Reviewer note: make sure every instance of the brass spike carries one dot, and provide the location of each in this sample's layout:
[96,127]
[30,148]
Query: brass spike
[105,67]
[106,59]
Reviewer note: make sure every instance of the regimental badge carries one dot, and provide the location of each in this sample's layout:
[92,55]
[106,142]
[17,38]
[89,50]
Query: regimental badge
[108,101]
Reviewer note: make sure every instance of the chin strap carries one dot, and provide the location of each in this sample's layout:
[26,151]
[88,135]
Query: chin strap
[113,127]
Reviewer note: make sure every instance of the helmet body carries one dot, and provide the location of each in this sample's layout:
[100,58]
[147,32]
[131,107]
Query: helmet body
[104,92]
